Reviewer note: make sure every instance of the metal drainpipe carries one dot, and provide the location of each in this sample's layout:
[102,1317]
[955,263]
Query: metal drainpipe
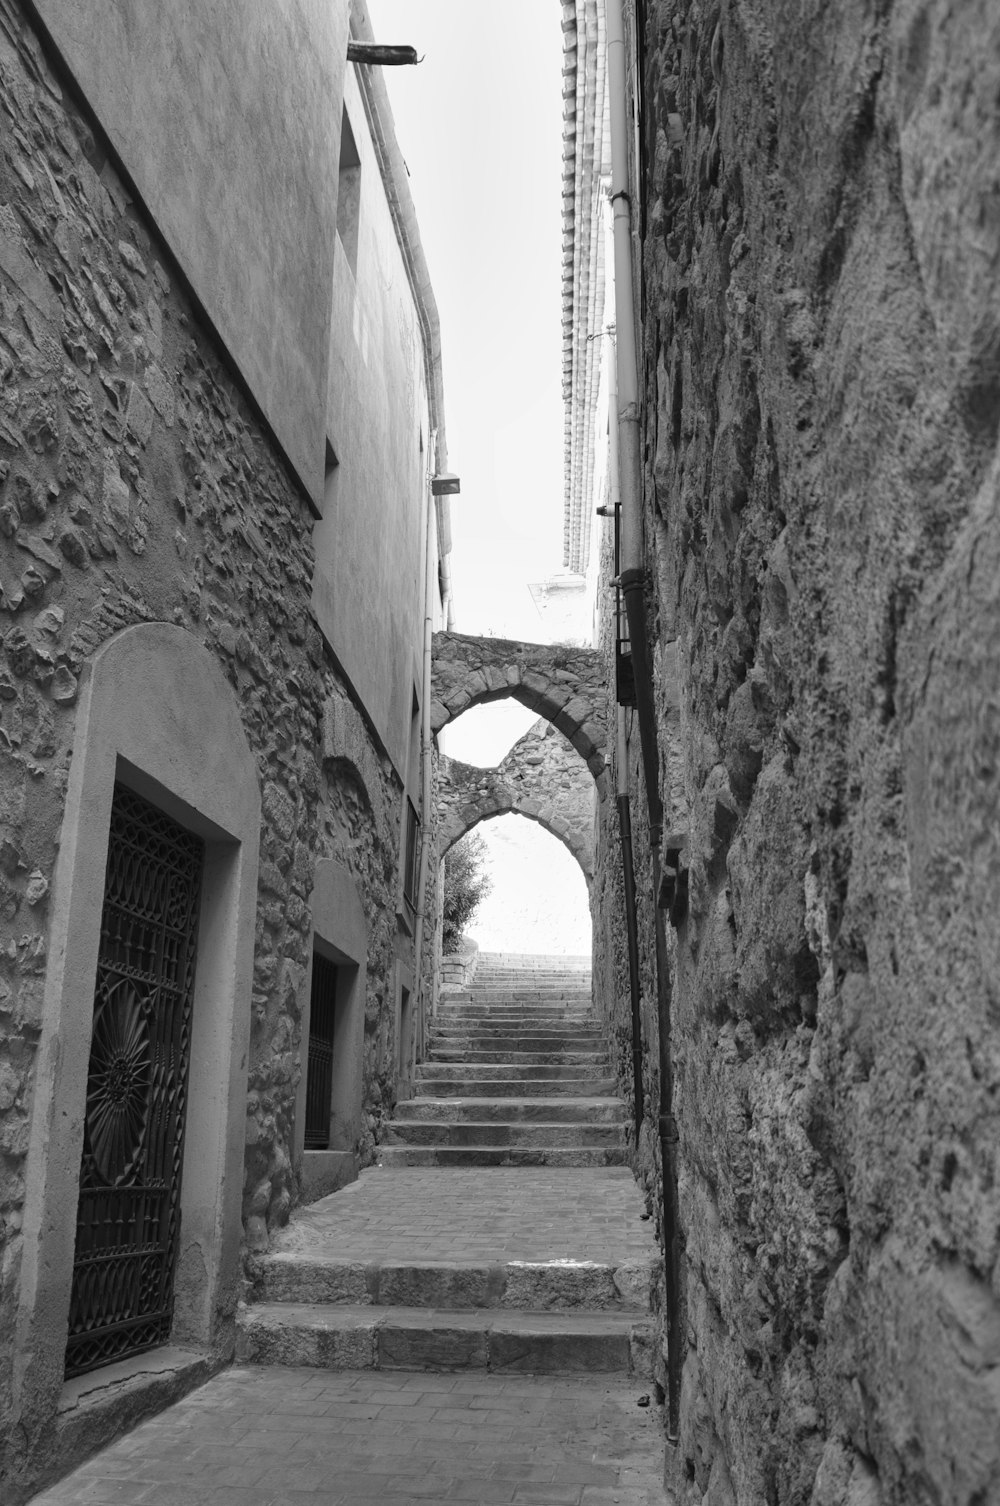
[624,810]
[633,581]
[631,924]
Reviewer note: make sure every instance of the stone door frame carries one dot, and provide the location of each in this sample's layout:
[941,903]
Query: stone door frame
[340,932]
[156,713]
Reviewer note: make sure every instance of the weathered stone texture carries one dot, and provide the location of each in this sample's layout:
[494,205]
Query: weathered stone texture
[563,684]
[822,266]
[542,777]
[137,485]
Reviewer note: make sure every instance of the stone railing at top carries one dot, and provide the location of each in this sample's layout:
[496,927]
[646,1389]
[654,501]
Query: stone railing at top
[563,684]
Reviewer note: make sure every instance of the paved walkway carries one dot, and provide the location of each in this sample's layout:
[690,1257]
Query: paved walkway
[281,1437]
[502,1214]
[556,1265]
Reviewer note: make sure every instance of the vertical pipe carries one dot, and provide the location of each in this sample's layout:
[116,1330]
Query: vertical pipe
[631,923]
[624,809]
[668,1161]
[632,578]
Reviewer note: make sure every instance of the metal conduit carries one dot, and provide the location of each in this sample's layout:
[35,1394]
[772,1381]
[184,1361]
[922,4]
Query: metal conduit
[633,583]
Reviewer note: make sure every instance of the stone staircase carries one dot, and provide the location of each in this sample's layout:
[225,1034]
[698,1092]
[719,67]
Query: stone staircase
[496,1234]
[516,1075]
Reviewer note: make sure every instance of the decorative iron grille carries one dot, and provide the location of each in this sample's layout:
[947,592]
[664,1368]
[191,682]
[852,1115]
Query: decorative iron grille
[129,1211]
[319,1068]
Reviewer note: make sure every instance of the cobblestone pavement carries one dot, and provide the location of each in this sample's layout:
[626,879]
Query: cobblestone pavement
[523,1213]
[294,1437]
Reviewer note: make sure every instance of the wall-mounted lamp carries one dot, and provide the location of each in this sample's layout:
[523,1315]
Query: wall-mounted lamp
[385,57]
[445,485]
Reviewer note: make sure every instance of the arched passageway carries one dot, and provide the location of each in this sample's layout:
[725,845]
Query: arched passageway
[539,901]
[542,778]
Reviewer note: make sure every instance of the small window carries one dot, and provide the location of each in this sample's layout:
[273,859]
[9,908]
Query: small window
[319,1071]
[349,194]
[405,1042]
[411,859]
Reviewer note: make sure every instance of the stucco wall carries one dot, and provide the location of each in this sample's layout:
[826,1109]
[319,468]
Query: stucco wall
[822,265]
[225,118]
[378,426]
[137,486]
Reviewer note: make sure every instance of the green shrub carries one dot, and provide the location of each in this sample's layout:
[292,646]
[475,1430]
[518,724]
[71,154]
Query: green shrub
[466,885]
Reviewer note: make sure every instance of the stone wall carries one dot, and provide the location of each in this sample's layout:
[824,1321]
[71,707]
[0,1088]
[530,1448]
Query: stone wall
[822,367]
[542,777]
[137,485]
[563,684]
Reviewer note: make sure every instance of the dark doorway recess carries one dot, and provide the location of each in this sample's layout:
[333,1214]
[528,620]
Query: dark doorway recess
[319,1072]
[128,1215]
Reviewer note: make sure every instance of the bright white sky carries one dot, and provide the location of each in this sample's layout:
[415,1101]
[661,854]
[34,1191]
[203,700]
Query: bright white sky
[479,123]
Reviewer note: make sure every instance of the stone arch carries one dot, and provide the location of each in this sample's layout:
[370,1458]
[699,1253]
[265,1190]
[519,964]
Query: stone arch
[467,820]
[563,684]
[541,777]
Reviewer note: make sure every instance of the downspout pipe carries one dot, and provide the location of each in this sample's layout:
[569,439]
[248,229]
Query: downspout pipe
[632,575]
[622,787]
[631,921]
[633,579]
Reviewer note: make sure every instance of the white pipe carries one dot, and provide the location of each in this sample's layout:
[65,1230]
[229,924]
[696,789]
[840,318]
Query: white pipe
[625,348]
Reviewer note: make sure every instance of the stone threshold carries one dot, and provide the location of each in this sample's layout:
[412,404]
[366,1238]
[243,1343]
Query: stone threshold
[96,1408]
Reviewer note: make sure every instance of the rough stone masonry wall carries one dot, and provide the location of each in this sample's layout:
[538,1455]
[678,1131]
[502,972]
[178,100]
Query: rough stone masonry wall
[822,352]
[136,485]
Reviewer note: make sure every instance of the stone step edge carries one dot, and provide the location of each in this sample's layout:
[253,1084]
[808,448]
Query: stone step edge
[502,1157]
[399,1338]
[294,1277]
[404,1124]
[567,1109]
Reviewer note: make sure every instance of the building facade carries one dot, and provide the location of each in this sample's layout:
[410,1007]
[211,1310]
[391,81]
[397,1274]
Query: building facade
[221,564]
[803,515]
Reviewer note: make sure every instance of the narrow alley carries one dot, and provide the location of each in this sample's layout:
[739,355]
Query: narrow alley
[309,1192]
[471,1321]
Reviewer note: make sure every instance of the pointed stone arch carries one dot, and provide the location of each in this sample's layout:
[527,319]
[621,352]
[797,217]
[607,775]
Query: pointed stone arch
[541,778]
[469,817]
[564,684]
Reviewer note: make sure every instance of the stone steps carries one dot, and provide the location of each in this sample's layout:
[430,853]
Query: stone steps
[492,1019]
[516,1077]
[528,1071]
[501,993]
[470,1133]
[493,1039]
[508,1341]
[513,1110]
[535,1285]
[587,1086]
[480,1056]
[503,1155]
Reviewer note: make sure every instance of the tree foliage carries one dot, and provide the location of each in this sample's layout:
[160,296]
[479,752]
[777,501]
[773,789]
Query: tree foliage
[466,885]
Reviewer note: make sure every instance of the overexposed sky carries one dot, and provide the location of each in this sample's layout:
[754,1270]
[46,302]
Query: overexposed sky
[479,123]
[539,901]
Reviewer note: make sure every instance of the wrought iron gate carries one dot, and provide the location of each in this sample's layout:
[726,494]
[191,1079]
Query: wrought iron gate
[319,1068]
[130,1178]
